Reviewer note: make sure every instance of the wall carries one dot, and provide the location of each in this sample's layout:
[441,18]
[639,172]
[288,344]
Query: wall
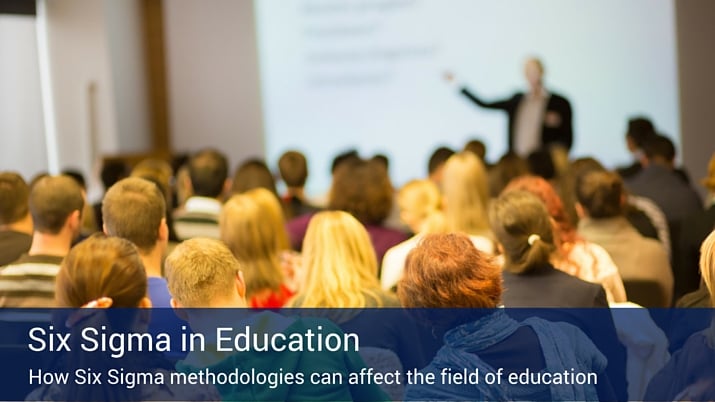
[98,81]
[696,65]
[22,142]
[212,77]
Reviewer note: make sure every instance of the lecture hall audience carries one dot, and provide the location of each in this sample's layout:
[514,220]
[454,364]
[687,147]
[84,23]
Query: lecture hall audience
[576,237]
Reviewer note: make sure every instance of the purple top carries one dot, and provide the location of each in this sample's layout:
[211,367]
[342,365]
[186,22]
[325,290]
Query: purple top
[382,238]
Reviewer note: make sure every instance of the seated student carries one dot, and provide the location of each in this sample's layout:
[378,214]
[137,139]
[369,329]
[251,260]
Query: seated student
[574,255]
[253,228]
[203,273]
[56,204]
[524,230]
[293,168]
[447,271]
[363,189]
[340,271]
[208,177]
[100,273]
[465,191]
[253,173]
[420,204]
[15,219]
[693,363]
[600,199]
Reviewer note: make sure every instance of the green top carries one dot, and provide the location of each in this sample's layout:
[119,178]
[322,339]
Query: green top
[286,362]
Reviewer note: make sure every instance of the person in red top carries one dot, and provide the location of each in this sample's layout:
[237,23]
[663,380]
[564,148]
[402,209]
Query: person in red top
[253,228]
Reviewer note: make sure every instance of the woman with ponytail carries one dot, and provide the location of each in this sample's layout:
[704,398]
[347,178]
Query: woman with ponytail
[103,279]
[525,232]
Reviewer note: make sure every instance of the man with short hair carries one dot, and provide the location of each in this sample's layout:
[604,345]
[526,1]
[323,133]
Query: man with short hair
[15,219]
[203,273]
[208,174]
[660,182]
[293,168]
[134,209]
[56,204]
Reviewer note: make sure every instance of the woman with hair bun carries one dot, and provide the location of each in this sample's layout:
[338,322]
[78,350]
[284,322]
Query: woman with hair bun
[525,233]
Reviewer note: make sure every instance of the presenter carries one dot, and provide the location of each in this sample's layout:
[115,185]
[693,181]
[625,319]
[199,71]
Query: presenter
[537,119]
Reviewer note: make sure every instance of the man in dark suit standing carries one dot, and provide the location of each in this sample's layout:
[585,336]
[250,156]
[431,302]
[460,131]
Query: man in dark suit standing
[537,119]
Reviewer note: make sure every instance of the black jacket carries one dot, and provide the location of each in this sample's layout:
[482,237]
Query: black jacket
[561,134]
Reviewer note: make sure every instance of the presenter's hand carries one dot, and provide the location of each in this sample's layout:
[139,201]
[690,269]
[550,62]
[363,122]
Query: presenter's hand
[449,77]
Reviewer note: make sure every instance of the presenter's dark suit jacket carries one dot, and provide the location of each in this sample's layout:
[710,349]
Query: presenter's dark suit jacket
[560,134]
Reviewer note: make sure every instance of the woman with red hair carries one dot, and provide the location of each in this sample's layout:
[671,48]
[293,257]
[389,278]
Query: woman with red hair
[576,256]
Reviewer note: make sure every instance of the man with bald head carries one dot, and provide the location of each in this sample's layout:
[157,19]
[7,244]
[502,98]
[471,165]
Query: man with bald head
[538,118]
[56,204]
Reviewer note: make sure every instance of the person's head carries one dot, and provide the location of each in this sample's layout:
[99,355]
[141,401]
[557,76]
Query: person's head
[466,194]
[348,156]
[14,198]
[567,184]
[363,189]
[524,229]
[565,231]
[135,209]
[293,168]
[639,130]
[208,173]
[157,171]
[56,204]
[253,173]
[541,164]
[77,176]
[112,171]
[447,271]
[339,263]
[509,167]
[707,265]
[252,228]
[203,272]
[600,194]
[709,180]
[436,162]
[100,267]
[659,149]
[534,73]
[420,205]
[477,147]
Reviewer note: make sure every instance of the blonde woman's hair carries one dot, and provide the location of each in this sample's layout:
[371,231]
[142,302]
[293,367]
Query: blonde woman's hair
[272,214]
[707,269]
[466,194]
[340,264]
[253,233]
[422,201]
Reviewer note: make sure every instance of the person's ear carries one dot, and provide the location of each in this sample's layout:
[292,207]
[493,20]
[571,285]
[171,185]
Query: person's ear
[240,285]
[74,221]
[227,187]
[104,229]
[178,309]
[145,302]
[580,211]
[163,231]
